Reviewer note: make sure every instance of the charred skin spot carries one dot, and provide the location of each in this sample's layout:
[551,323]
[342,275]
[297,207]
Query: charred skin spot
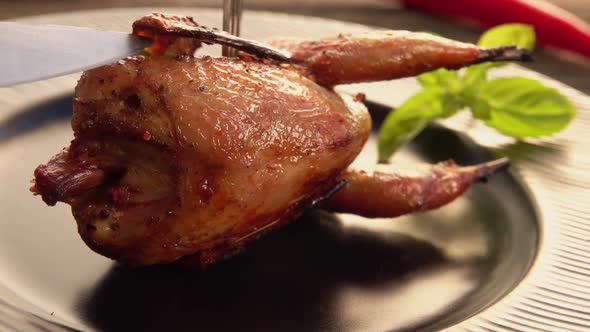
[153,220]
[133,101]
[104,214]
[206,189]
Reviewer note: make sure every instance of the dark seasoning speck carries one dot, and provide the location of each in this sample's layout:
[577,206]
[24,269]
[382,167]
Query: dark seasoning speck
[104,214]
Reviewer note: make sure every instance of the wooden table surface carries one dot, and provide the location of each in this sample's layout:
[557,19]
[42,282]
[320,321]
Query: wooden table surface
[572,71]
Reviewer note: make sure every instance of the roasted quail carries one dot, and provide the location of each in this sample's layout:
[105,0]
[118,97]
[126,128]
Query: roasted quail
[181,157]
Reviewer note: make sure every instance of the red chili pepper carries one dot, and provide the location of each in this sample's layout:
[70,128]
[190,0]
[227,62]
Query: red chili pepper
[555,27]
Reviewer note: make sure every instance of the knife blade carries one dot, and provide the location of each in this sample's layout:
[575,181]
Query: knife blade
[36,52]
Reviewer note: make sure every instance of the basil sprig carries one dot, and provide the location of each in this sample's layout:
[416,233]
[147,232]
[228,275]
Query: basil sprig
[514,106]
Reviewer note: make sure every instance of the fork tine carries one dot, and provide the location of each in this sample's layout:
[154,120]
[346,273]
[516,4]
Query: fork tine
[232,17]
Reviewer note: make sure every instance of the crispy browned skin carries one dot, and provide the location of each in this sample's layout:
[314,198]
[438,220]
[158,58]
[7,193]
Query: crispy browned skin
[214,151]
[370,56]
[166,28]
[383,193]
[182,157]
[393,54]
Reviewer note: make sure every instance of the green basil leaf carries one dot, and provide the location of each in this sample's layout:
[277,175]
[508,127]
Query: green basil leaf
[441,78]
[522,107]
[480,109]
[403,124]
[451,103]
[521,35]
[475,76]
